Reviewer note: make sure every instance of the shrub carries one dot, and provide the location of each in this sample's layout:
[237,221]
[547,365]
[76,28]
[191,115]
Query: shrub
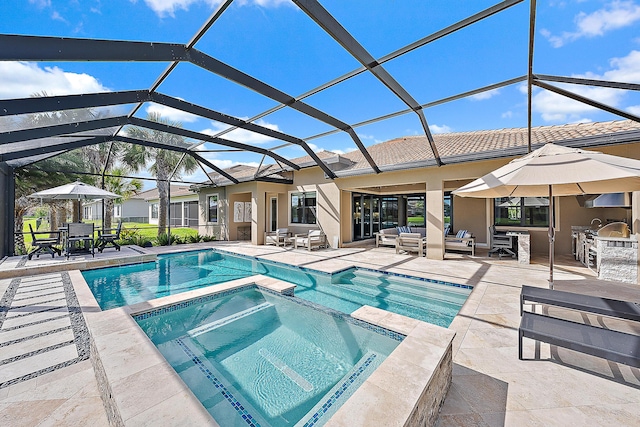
[164,240]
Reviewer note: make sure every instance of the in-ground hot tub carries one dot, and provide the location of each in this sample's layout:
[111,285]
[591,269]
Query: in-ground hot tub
[256,358]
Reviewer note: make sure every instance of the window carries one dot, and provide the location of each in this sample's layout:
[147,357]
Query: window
[415,211]
[154,210]
[213,208]
[117,211]
[448,210]
[522,211]
[303,208]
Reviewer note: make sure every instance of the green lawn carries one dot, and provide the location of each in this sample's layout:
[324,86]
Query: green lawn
[148,231]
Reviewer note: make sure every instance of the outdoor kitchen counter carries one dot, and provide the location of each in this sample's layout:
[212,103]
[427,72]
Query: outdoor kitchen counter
[617,258]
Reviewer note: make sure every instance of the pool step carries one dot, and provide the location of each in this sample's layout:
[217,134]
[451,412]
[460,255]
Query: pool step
[401,291]
[331,402]
[221,399]
[408,284]
[207,327]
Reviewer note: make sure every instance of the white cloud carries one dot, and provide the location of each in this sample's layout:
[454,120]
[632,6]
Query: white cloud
[369,137]
[164,8]
[171,113]
[554,107]
[440,129]
[317,149]
[485,95]
[225,163]
[57,17]
[615,15]
[23,79]
[626,69]
[507,114]
[557,108]
[41,3]
[242,135]
[634,109]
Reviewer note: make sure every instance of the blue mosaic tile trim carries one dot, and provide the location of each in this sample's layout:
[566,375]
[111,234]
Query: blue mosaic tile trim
[237,406]
[189,303]
[343,388]
[421,279]
[311,270]
[229,319]
[335,313]
[268,261]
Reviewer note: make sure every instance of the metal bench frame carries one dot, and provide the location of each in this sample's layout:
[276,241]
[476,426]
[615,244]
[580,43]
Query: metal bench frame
[600,342]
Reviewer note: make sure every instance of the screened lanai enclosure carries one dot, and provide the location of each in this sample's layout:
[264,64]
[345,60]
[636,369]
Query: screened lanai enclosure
[265,82]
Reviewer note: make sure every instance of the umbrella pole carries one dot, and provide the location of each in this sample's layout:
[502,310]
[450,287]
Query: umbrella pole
[552,235]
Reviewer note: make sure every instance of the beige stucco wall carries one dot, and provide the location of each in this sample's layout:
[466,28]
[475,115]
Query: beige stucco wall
[334,200]
[219,229]
[471,214]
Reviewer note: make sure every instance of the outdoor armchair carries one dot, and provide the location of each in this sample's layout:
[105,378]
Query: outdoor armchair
[310,240]
[278,237]
[45,244]
[411,242]
[107,237]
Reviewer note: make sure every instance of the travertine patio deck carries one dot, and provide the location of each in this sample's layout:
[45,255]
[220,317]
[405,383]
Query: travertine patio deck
[491,387]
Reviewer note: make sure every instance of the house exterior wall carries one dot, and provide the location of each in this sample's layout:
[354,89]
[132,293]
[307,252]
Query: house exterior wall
[134,210]
[178,199]
[220,229]
[334,203]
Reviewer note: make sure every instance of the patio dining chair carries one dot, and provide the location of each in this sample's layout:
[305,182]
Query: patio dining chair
[79,239]
[44,244]
[108,237]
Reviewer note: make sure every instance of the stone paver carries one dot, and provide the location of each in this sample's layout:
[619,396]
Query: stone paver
[491,387]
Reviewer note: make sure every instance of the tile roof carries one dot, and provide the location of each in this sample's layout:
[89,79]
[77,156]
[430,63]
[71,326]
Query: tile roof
[176,191]
[454,147]
[414,151]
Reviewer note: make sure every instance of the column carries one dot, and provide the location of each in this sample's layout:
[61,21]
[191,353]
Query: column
[258,215]
[434,217]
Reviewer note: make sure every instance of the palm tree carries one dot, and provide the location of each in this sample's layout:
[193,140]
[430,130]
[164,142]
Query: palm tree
[162,162]
[119,185]
[36,177]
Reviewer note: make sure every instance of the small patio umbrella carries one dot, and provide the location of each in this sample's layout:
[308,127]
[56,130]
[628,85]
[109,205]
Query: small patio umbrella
[74,191]
[555,170]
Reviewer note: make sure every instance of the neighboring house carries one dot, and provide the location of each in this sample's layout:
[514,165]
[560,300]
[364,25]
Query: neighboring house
[183,208]
[134,209]
[410,190]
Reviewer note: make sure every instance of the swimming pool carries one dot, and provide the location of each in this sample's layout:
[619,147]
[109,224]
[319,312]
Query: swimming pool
[432,301]
[254,358]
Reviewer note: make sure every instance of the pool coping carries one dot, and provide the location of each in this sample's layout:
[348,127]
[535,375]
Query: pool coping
[408,388]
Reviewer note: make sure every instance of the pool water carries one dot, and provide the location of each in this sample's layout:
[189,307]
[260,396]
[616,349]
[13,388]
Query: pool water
[255,358]
[435,302]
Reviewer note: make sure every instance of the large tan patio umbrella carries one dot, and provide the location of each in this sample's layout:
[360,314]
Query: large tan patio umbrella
[554,170]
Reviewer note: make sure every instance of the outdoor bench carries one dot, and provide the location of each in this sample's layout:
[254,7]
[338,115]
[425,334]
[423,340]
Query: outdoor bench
[600,342]
[626,310]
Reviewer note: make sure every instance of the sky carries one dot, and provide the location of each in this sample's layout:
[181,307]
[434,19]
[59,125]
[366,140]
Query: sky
[276,42]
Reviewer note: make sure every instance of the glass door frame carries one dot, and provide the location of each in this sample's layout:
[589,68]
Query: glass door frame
[271,223]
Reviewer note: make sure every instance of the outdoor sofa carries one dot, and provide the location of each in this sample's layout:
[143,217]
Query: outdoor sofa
[388,236]
[462,241]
